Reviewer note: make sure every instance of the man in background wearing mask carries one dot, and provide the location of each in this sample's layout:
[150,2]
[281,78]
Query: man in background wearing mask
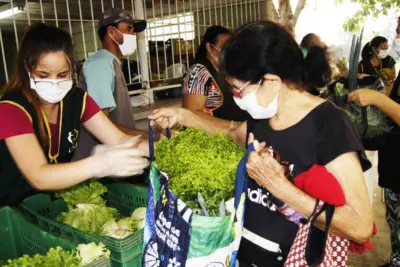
[103,78]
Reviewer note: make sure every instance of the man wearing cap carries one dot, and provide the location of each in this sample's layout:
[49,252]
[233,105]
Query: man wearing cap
[103,78]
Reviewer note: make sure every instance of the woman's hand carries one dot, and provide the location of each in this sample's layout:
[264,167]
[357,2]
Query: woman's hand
[168,117]
[264,169]
[365,97]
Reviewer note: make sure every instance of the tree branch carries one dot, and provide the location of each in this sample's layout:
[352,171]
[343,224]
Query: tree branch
[300,6]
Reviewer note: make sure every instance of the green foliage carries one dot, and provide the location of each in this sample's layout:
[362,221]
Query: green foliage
[55,257]
[85,254]
[88,218]
[196,162]
[87,211]
[369,8]
[86,193]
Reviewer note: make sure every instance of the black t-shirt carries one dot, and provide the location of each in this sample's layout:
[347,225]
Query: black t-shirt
[389,147]
[321,136]
[366,67]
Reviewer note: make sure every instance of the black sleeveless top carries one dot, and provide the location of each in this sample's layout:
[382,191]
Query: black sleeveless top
[13,186]
[228,110]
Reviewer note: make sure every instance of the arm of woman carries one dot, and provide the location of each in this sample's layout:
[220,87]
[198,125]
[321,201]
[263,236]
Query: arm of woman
[352,221]
[30,159]
[194,103]
[169,117]
[98,124]
[368,97]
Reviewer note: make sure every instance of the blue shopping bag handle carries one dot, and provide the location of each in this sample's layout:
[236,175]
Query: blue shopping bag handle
[151,141]
[242,177]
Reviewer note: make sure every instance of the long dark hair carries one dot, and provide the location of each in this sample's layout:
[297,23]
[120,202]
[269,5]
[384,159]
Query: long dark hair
[38,39]
[367,51]
[211,36]
[306,41]
[264,47]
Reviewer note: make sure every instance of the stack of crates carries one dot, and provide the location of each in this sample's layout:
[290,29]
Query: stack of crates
[43,209]
[20,237]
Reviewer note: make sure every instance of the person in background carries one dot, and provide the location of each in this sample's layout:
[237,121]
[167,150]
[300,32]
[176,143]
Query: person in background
[103,78]
[310,40]
[205,89]
[41,113]
[269,78]
[395,49]
[387,160]
[376,62]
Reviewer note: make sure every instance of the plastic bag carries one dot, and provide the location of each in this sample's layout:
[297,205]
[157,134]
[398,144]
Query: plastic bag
[175,236]
[370,121]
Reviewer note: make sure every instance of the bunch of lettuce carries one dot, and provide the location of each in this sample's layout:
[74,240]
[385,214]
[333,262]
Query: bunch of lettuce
[84,255]
[90,192]
[199,163]
[125,226]
[87,212]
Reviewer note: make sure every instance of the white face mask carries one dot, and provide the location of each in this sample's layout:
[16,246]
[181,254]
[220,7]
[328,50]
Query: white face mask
[51,90]
[256,111]
[383,54]
[128,47]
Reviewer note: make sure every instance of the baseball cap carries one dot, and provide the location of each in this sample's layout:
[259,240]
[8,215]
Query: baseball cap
[116,15]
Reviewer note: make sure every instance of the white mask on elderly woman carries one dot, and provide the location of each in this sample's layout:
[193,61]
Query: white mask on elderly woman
[256,111]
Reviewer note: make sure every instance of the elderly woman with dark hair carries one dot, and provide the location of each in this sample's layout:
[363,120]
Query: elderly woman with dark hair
[269,75]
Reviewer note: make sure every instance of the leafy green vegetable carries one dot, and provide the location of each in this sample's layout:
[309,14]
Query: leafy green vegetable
[61,258]
[88,218]
[196,162]
[139,216]
[86,193]
[120,229]
[88,253]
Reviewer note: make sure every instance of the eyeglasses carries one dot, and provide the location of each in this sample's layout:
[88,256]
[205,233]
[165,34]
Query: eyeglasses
[63,84]
[239,92]
[216,47]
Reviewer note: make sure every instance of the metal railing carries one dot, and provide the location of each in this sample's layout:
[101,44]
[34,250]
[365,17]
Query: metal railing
[175,29]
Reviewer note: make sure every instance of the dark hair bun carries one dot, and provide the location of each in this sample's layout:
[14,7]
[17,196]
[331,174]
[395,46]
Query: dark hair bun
[317,71]
[264,47]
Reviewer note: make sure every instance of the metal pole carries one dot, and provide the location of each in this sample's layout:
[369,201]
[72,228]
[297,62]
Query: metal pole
[156,42]
[27,12]
[194,28]
[82,29]
[93,26]
[178,17]
[55,12]
[144,70]
[171,38]
[69,18]
[198,22]
[4,55]
[163,33]
[15,27]
[137,61]
[41,10]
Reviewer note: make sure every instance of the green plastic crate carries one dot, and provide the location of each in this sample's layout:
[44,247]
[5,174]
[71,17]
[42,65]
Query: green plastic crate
[42,209]
[22,238]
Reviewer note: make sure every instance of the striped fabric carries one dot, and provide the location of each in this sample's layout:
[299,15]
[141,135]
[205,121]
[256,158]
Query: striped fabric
[198,81]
